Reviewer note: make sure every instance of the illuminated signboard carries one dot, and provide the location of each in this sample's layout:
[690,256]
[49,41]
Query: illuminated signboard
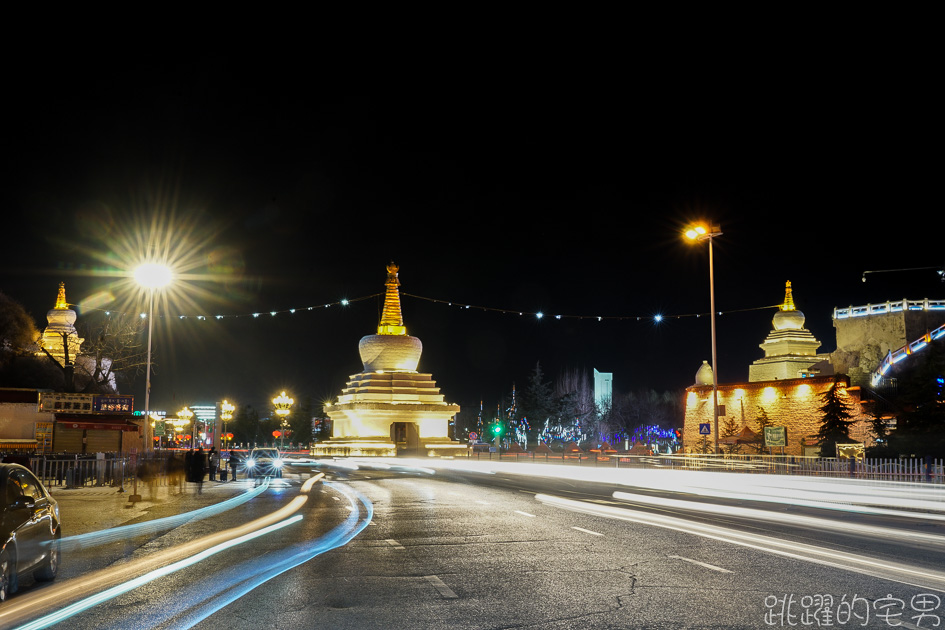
[51,402]
[114,404]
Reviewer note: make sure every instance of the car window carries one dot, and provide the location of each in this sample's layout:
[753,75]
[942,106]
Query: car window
[12,491]
[26,484]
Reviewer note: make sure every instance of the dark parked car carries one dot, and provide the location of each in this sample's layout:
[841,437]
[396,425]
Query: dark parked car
[30,529]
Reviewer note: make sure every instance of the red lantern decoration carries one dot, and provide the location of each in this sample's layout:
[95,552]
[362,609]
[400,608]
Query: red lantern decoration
[276,433]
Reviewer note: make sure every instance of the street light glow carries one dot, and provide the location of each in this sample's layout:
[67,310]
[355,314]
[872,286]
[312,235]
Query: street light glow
[153,275]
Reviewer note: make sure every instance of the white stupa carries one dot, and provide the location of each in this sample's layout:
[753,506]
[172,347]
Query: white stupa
[790,349]
[60,338]
[389,407]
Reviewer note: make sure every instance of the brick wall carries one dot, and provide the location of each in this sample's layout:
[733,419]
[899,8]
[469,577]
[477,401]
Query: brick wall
[793,403]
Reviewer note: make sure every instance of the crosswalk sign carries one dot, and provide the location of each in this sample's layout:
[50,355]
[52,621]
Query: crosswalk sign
[705,428]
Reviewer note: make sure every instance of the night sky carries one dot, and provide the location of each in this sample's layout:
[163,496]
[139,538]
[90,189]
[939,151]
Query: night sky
[559,190]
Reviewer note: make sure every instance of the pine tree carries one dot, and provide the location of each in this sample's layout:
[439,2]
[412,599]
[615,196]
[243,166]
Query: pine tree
[835,425]
[730,429]
[762,421]
[537,400]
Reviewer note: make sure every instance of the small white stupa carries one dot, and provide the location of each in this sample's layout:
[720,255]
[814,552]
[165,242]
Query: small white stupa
[790,349]
[60,338]
[389,408]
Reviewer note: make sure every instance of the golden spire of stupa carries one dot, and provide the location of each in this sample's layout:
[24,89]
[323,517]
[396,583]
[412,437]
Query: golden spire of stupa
[392,322]
[61,304]
[788,299]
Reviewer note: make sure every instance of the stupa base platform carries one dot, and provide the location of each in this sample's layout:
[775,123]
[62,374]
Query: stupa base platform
[366,447]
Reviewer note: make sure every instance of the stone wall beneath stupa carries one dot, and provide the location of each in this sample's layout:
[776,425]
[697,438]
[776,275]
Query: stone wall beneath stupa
[793,403]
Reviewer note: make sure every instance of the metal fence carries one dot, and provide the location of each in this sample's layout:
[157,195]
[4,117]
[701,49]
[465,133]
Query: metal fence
[76,471]
[120,470]
[926,470]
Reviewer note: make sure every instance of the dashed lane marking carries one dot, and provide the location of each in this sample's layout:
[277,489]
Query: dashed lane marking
[702,564]
[587,531]
[443,589]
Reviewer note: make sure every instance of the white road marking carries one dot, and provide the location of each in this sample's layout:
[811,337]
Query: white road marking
[443,589]
[393,543]
[482,502]
[524,513]
[702,564]
[917,576]
[587,531]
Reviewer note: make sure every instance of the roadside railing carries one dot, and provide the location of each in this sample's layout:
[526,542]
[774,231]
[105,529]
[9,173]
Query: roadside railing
[902,469]
[77,471]
[163,468]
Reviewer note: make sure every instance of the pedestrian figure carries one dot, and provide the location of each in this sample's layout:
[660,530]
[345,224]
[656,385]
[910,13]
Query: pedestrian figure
[176,472]
[234,461]
[198,468]
[189,466]
[214,463]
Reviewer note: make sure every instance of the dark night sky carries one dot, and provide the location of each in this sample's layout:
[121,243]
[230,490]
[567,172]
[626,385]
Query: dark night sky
[555,190]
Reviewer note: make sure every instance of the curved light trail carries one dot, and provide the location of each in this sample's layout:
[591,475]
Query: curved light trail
[94,539]
[106,584]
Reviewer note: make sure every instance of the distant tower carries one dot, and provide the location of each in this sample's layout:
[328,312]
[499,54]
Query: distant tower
[60,335]
[603,388]
[790,349]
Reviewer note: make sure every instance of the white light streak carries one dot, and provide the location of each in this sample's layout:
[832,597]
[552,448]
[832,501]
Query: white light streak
[883,569]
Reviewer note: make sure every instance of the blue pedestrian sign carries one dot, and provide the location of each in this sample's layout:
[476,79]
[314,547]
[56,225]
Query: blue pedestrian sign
[705,428]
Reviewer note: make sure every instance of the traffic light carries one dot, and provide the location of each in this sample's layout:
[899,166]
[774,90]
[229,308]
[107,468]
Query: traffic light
[497,429]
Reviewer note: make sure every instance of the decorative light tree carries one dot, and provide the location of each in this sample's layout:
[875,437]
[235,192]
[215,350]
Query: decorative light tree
[184,417]
[283,406]
[226,414]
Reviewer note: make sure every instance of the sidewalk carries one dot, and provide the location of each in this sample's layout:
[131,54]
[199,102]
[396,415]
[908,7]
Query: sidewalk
[89,509]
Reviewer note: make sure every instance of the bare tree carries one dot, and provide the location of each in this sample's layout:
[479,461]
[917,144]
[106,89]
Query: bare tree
[114,346]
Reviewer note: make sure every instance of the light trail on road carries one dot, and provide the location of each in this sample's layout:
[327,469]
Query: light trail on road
[897,572]
[105,536]
[242,578]
[60,594]
[880,498]
[100,598]
[799,520]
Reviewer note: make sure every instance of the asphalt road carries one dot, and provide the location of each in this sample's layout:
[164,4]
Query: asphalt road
[427,549]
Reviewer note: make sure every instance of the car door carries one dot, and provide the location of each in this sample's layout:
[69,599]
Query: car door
[32,516]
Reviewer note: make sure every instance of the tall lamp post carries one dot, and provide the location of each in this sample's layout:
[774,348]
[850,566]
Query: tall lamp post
[701,233]
[185,416]
[283,405]
[226,414]
[151,276]
[178,423]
